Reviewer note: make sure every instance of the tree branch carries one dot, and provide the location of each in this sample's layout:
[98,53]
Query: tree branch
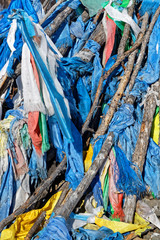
[36,196]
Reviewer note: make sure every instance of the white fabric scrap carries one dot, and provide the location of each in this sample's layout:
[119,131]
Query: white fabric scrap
[23,191]
[122,16]
[18,98]
[31,94]
[11,35]
[3,70]
[50,60]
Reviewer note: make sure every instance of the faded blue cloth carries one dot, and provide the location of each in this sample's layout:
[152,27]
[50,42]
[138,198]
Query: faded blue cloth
[122,119]
[83,99]
[82,31]
[150,72]
[56,138]
[37,167]
[7,191]
[102,233]
[73,150]
[75,65]
[18,113]
[125,177]
[70,3]
[139,90]
[67,81]
[97,72]
[74,153]
[62,36]
[97,191]
[55,230]
[151,170]
[110,84]
[26,5]
[60,108]
[96,184]
[149,6]
[5,23]
[38,8]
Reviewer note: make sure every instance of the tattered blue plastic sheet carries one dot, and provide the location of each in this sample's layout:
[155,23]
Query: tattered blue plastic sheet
[97,72]
[75,65]
[151,170]
[5,23]
[139,90]
[16,4]
[149,6]
[102,234]
[56,137]
[70,3]
[81,31]
[62,36]
[127,181]
[74,153]
[83,99]
[55,229]
[69,70]
[27,31]
[122,119]
[38,8]
[37,167]
[96,184]
[150,72]
[7,190]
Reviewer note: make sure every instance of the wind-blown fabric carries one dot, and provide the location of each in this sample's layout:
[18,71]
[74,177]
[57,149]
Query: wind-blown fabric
[151,171]
[8,55]
[59,102]
[110,31]
[115,197]
[150,72]
[56,229]
[31,93]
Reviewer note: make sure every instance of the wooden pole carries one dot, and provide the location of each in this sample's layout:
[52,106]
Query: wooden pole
[51,11]
[105,76]
[36,196]
[71,203]
[143,48]
[140,151]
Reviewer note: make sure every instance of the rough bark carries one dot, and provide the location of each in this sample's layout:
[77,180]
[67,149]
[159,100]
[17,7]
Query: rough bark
[65,190]
[142,142]
[58,21]
[123,83]
[38,222]
[86,181]
[99,37]
[36,196]
[5,3]
[122,45]
[50,30]
[51,11]
[143,47]
[105,76]
[118,95]
[36,225]
[63,49]
[140,151]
